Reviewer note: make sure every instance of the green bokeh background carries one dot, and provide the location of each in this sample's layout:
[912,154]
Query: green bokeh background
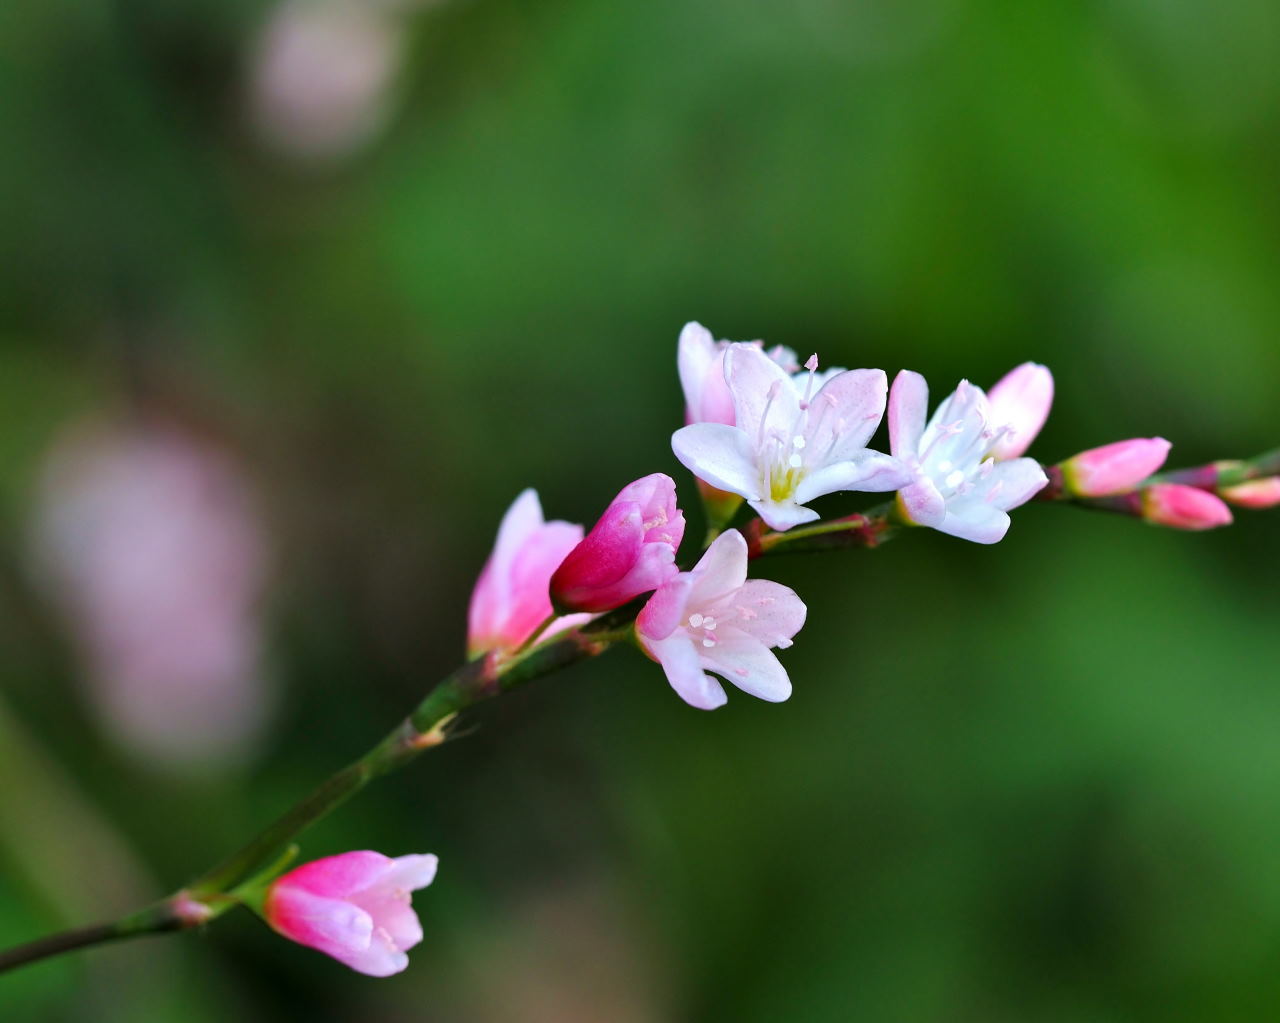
[1038,781]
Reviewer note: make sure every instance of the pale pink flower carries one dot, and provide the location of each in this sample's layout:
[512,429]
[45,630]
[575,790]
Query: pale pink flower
[512,597]
[1182,507]
[354,907]
[150,541]
[1261,493]
[956,485]
[1114,468]
[713,619]
[794,439]
[631,550]
[1020,403]
[700,361]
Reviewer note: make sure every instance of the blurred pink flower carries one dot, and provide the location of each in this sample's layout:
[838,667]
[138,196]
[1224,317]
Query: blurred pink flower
[149,542]
[321,75]
[631,550]
[512,596]
[355,907]
[1260,493]
[713,618]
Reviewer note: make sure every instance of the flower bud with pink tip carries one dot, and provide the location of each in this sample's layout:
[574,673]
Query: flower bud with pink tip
[1114,468]
[713,619]
[1020,402]
[354,907]
[511,599]
[700,362]
[1182,507]
[630,551]
[1263,493]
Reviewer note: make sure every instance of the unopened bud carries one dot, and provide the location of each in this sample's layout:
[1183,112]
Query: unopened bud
[1263,493]
[1114,468]
[1182,507]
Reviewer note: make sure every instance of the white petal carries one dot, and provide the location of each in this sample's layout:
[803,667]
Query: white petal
[868,471]
[855,400]
[761,390]
[782,515]
[976,521]
[908,410]
[1012,483]
[521,521]
[960,420]
[411,872]
[679,660]
[748,664]
[720,455]
[720,571]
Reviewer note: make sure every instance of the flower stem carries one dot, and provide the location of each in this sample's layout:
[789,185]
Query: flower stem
[207,896]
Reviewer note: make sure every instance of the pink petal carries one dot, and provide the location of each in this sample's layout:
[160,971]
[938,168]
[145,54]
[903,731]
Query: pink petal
[720,571]
[333,926]
[1021,400]
[1115,468]
[665,610]
[720,455]
[908,412]
[769,611]
[340,876]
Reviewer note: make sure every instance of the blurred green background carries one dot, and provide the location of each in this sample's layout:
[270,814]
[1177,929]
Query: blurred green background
[409,262]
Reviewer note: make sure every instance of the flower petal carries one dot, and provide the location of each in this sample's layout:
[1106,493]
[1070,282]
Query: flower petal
[761,390]
[866,471]
[721,570]
[1013,483]
[679,659]
[748,664]
[856,400]
[769,611]
[1020,400]
[923,504]
[908,412]
[666,608]
[720,455]
[782,515]
[955,429]
[976,521]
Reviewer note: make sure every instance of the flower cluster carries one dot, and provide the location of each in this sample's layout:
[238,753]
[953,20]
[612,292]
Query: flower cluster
[759,429]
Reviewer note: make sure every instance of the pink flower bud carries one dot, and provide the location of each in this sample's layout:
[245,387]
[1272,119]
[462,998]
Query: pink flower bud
[1020,401]
[1114,468]
[1263,493]
[354,907]
[1182,507]
[630,551]
[511,597]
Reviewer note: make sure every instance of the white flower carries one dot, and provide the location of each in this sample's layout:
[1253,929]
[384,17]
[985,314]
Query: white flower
[713,619]
[957,486]
[790,445]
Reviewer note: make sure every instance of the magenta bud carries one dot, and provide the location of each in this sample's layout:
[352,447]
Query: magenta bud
[1263,493]
[1114,468]
[354,907]
[1182,507]
[630,551]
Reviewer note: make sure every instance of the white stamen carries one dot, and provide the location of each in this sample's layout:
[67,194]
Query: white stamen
[709,641]
[695,621]
[795,461]
[797,442]
[955,478]
[709,624]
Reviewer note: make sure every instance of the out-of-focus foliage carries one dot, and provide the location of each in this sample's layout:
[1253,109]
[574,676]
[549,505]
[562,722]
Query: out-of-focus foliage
[1035,781]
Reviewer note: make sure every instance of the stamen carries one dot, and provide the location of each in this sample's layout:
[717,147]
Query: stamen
[774,388]
[695,621]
